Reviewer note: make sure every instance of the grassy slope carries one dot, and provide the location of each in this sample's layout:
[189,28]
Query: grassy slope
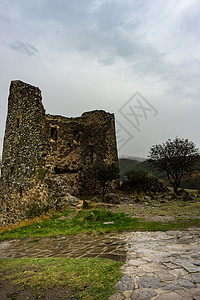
[91,221]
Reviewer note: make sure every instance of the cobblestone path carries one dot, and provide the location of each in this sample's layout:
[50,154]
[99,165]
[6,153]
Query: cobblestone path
[161,266]
[81,245]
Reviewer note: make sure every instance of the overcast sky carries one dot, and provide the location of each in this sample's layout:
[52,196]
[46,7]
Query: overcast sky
[138,59]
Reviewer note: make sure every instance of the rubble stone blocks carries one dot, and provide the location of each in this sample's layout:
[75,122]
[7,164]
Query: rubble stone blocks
[149,282]
[45,156]
[125,283]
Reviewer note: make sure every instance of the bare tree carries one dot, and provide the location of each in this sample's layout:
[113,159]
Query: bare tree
[175,157]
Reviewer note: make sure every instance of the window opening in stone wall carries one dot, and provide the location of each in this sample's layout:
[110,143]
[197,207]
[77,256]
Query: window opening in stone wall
[54,133]
[18,122]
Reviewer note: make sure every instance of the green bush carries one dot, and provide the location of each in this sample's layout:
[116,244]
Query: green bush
[35,209]
[104,173]
[141,181]
[96,215]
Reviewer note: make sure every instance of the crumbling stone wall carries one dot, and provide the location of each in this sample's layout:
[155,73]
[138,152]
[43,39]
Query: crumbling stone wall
[45,157]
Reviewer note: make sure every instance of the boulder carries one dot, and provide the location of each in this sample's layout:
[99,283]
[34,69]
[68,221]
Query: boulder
[182,192]
[187,197]
[111,198]
[85,204]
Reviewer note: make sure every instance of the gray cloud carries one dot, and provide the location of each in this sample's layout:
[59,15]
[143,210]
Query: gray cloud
[25,48]
[98,49]
[4,19]
[106,61]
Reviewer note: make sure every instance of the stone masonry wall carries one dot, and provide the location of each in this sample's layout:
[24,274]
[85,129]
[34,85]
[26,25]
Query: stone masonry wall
[45,157]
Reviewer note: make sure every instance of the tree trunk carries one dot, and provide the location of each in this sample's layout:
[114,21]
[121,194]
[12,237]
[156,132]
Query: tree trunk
[175,187]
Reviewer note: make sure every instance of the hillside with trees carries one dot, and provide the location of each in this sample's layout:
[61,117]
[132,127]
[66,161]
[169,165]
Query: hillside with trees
[127,164]
[191,181]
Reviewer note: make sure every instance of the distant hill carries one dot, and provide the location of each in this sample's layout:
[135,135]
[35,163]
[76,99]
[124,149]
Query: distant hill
[126,164]
[191,181]
[136,158]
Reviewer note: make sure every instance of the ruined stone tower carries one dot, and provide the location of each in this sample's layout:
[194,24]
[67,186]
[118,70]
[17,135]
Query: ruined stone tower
[45,156]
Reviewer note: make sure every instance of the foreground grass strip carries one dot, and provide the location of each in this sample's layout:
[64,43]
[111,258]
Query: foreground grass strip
[86,278]
[92,221]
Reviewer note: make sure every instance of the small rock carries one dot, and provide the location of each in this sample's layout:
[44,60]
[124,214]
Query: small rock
[63,218]
[192,269]
[111,198]
[165,275]
[172,287]
[169,296]
[116,296]
[107,223]
[127,294]
[185,283]
[182,192]
[125,283]
[85,204]
[136,262]
[187,198]
[95,199]
[196,295]
[196,278]
[149,282]
[168,198]
[144,294]
[196,256]
[179,272]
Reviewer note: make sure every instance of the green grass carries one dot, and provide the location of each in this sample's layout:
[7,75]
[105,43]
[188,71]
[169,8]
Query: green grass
[86,278]
[92,221]
[173,209]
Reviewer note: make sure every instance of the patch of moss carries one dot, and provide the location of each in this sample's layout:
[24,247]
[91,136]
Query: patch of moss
[40,173]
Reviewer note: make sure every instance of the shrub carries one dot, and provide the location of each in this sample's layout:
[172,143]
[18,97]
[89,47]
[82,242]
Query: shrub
[104,173]
[141,181]
[35,209]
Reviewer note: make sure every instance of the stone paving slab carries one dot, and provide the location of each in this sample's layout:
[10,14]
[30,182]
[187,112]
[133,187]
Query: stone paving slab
[163,266]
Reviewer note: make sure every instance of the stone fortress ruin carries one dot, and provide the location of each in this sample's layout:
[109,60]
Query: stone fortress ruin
[45,156]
